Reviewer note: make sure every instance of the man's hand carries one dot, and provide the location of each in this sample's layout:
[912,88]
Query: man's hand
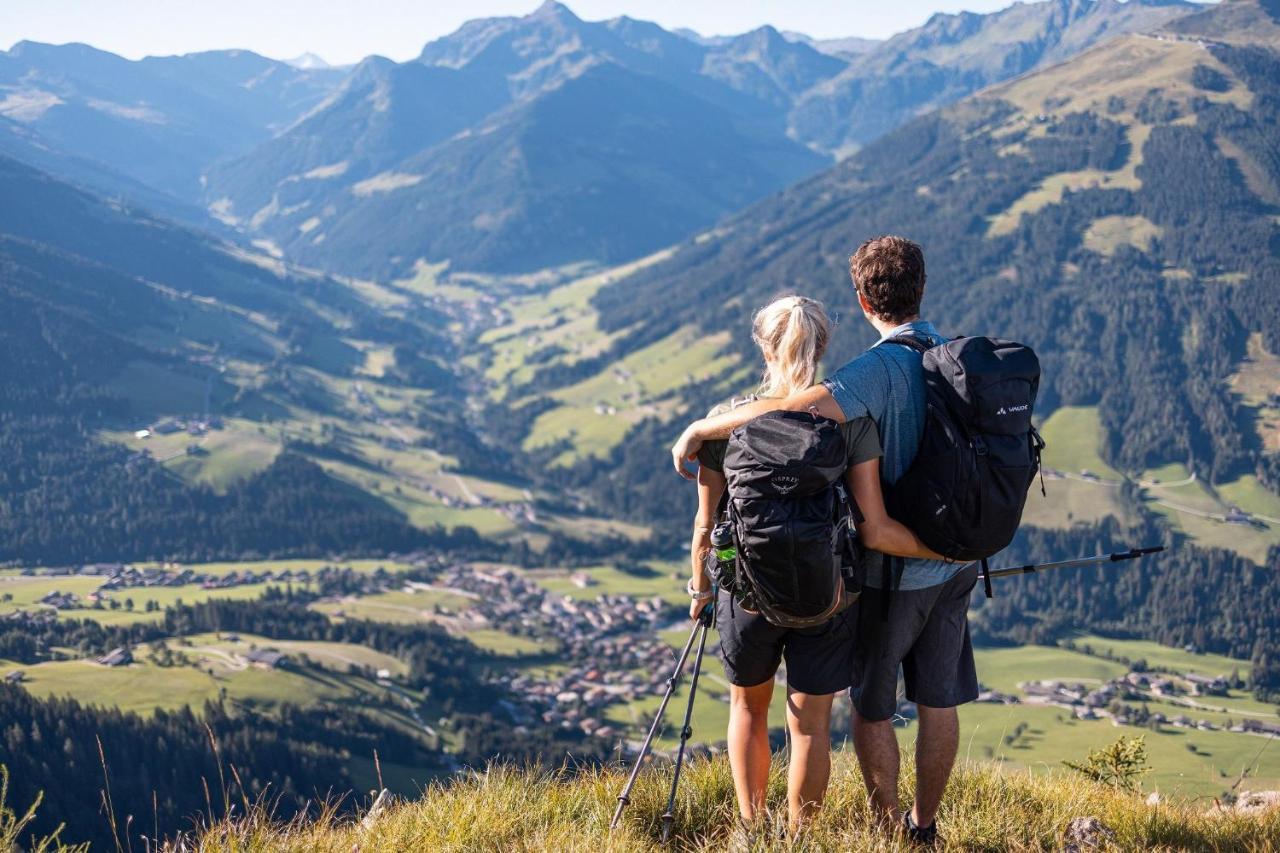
[697,606]
[686,450]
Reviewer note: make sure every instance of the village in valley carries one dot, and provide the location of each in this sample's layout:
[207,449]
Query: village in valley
[585,651]
[1116,700]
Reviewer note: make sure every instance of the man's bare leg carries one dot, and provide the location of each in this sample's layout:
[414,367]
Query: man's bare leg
[877,749]
[749,745]
[936,749]
[809,723]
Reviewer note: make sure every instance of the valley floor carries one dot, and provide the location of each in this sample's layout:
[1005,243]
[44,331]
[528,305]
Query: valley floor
[1043,705]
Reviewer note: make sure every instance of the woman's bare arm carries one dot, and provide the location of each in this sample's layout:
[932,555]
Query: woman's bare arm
[711,486]
[816,398]
[878,531]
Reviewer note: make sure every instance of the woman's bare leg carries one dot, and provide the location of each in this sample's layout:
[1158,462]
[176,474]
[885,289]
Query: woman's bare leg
[809,722]
[749,745]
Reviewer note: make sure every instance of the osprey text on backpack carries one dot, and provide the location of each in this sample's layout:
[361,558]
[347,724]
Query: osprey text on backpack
[791,519]
[965,492]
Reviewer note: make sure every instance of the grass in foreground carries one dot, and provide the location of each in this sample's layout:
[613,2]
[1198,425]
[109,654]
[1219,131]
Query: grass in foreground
[506,809]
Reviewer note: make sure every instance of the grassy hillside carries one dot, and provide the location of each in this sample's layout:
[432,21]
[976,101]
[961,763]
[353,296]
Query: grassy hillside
[986,808]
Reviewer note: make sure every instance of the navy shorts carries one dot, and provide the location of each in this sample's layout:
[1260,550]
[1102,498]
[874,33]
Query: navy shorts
[926,636]
[751,649]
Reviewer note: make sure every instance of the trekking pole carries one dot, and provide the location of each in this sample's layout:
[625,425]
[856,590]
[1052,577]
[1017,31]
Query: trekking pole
[704,622]
[1118,556]
[625,797]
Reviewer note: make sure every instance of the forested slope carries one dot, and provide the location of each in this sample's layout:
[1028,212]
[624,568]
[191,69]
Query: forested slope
[112,319]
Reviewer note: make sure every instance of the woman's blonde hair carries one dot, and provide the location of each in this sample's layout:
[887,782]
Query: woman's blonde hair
[792,332]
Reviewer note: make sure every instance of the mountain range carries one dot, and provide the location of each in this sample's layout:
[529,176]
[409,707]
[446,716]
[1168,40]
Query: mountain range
[463,154]
[161,120]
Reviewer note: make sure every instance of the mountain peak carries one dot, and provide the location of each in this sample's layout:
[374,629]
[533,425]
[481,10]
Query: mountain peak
[765,35]
[551,10]
[308,62]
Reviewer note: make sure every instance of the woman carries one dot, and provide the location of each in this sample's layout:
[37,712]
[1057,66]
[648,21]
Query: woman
[792,334]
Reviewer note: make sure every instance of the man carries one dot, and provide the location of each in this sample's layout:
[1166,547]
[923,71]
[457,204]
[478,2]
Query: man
[925,630]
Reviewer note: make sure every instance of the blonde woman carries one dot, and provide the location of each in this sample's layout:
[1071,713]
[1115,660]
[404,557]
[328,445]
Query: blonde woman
[792,333]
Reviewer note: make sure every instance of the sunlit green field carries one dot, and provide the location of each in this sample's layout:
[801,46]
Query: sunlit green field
[1198,509]
[609,580]
[1003,669]
[1071,437]
[1163,657]
[26,593]
[400,606]
[560,318]
[502,643]
[221,457]
[362,566]
[595,413]
[221,652]
[216,672]
[1052,737]
[1068,502]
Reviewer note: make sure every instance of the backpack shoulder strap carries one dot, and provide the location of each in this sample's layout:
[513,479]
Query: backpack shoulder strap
[910,342]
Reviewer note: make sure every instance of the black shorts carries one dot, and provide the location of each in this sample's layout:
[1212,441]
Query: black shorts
[927,635]
[751,649]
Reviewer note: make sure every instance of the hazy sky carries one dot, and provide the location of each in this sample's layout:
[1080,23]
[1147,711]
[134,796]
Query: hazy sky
[343,31]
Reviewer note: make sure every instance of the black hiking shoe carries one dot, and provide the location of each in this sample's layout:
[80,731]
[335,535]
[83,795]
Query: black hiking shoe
[920,836]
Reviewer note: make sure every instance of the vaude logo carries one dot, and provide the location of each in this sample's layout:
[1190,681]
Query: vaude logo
[1011,409]
[784,483]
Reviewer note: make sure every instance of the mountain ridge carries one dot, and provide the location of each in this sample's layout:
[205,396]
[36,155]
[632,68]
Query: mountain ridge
[497,71]
[954,55]
[159,120]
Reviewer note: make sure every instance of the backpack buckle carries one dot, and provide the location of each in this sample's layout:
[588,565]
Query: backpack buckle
[980,445]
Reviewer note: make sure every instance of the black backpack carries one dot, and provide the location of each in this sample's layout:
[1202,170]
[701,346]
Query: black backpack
[964,493]
[791,519]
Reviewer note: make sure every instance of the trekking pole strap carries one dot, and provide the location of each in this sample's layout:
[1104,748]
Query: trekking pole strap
[986,577]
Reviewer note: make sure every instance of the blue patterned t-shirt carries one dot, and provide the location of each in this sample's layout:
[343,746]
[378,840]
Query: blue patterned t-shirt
[886,383]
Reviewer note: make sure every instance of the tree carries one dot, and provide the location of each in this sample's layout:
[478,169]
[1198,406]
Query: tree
[1120,765]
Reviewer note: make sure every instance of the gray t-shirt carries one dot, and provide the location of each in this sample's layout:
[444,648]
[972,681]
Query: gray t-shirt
[886,384]
[861,440]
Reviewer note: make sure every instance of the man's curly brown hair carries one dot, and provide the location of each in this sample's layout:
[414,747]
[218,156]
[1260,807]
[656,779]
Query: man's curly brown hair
[889,273]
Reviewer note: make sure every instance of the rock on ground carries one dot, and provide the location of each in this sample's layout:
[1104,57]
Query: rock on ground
[1251,802]
[1087,833]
